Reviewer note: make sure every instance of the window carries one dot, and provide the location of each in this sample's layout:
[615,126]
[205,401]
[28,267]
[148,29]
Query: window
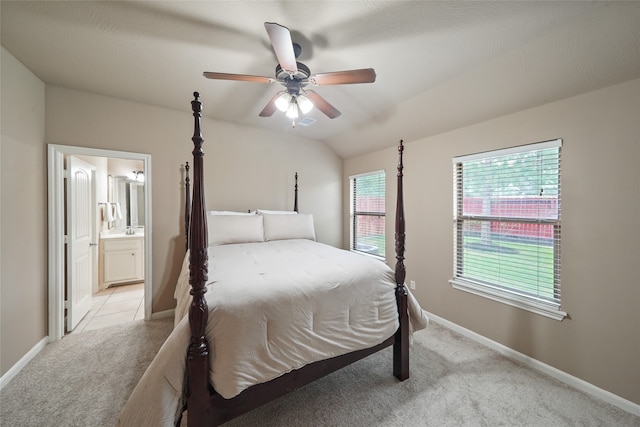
[368,213]
[507,226]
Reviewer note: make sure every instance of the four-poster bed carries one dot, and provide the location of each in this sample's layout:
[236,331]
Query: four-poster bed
[282,310]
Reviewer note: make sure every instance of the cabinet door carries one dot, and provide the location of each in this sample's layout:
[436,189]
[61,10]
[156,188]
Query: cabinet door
[122,260]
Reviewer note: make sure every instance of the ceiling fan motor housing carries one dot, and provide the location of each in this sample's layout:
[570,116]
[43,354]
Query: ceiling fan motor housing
[303,73]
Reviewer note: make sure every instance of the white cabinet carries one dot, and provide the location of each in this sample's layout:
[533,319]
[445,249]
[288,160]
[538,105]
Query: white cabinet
[121,260]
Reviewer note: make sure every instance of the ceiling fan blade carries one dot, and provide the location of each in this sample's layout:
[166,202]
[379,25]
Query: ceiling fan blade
[270,108]
[282,45]
[238,77]
[321,104]
[364,75]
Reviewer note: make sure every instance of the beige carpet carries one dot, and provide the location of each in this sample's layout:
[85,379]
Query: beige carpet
[84,380]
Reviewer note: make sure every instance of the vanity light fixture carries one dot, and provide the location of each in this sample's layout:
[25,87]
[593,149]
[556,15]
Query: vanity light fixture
[137,176]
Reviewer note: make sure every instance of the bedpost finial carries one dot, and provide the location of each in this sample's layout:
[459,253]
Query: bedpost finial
[400,151]
[196,105]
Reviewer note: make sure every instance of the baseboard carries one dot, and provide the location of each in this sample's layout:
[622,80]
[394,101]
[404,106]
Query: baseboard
[566,378]
[15,369]
[163,314]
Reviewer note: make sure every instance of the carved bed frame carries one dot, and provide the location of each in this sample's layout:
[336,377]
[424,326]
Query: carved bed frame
[205,407]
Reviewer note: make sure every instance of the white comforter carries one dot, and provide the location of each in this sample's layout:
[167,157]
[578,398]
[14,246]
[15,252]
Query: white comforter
[273,307]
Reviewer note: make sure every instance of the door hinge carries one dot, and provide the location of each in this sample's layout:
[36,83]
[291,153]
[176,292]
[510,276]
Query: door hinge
[65,239]
[66,304]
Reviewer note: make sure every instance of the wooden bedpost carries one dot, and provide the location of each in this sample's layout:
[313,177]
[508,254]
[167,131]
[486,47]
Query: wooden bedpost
[401,341]
[198,354]
[295,195]
[187,204]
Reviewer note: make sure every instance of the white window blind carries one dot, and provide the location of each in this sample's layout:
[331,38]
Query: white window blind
[368,213]
[507,226]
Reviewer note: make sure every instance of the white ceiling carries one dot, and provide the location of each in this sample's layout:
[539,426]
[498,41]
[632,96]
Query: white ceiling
[439,65]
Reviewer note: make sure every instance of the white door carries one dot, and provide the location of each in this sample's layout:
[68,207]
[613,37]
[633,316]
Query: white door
[79,186]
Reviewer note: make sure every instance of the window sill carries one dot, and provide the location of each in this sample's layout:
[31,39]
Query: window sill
[379,258]
[514,300]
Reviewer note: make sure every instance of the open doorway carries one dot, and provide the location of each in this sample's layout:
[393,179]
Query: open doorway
[135,220]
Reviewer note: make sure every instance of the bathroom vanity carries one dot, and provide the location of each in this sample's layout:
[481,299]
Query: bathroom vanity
[121,258]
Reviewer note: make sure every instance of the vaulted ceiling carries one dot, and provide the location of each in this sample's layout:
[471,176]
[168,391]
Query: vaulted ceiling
[439,65]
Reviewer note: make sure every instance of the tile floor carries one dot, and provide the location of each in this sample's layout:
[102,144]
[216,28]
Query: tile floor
[115,305]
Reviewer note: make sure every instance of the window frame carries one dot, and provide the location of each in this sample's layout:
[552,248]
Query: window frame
[499,291]
[353,213]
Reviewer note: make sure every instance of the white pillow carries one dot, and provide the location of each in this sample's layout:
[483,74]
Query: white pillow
[225,229]
[263,211]
[281,227]
[229,213]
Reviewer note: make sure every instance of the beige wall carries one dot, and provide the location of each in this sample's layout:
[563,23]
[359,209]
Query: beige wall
[599,342]
[23,186]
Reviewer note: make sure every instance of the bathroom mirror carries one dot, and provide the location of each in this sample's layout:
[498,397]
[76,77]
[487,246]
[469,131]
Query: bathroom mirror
[129,194]
[136,204]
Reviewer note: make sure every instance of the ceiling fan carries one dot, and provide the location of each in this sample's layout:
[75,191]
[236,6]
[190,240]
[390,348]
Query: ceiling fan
[295,77]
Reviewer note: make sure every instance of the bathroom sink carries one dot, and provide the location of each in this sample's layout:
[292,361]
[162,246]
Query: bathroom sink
[113,234]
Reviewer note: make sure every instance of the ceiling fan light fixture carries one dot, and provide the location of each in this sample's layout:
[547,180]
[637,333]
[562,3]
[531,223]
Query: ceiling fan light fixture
[283,102]
[304,103]
[292,111]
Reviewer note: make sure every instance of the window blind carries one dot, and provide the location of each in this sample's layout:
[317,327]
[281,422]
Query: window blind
[368,213]
[507,221]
